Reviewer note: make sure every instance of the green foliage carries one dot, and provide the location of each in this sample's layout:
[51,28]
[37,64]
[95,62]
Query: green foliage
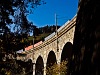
[14,26]
[41,33]
[14,30]
[37,38]
[57,69]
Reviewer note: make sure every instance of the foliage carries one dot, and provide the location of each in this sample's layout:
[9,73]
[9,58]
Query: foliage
[16,67]
[14,26]
[57,69]
[14,29]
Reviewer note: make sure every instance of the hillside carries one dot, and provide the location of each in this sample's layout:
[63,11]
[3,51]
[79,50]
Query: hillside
[39,37]
[41,33]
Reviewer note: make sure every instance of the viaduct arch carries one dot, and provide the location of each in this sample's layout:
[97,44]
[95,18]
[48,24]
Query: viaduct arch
[66,55]
[39,66]
[51,59]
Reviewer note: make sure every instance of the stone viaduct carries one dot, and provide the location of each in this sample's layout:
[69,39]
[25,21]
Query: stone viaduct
[53,50]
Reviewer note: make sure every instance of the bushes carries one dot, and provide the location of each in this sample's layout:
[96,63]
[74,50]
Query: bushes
[57,69]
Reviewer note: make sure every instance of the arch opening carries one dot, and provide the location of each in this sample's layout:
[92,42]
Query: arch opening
[67,55]
[29,67]
[51,59]
[39,66]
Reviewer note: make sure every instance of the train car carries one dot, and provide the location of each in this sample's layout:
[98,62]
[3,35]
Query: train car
[48,37]
[31,46]
[51,35]
[63,26]
[40,42]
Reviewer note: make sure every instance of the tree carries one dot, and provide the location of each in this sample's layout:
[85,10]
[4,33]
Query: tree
[14,28]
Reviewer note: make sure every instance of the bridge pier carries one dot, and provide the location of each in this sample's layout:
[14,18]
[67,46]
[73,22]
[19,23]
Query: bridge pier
[45,69]
[33,68]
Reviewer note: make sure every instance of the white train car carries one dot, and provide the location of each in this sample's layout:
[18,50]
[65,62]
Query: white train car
[63,26]
[48,37]
[51,35]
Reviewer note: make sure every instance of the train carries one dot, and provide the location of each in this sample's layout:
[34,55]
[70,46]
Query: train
[45,39]
[29,47]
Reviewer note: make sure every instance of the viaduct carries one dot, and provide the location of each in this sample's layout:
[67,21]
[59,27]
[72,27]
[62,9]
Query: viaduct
[78,42]
[54,50]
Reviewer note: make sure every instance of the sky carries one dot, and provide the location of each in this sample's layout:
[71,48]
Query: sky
[45,14]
